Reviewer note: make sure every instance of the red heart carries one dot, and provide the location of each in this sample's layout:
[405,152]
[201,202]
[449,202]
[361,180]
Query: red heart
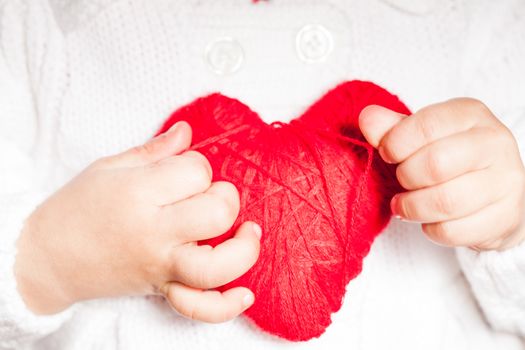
[317,189]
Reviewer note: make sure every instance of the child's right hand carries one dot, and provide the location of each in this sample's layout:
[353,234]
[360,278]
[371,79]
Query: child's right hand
[127,225]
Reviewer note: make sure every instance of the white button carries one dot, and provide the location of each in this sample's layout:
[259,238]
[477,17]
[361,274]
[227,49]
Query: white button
[314,43]
[224,56]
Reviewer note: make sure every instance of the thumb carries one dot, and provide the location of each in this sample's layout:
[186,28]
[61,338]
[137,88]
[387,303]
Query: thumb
[174,141]
[376,121]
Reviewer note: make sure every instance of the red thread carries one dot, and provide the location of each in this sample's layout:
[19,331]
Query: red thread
[319,191]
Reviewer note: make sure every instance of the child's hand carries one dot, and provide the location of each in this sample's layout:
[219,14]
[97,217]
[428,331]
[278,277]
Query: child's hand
[127,225]
[461,167]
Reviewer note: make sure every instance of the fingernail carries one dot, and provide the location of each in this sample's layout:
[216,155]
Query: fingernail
[393,206]
[171,130]
[248,300]
[257,230]
[399,217]
[174,127]
[405,220]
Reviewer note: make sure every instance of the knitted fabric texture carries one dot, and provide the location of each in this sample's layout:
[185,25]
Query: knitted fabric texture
[85,79]
[318,190]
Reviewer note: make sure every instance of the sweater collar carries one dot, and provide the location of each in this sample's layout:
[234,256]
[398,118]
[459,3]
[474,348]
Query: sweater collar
[72,14]
[412,7]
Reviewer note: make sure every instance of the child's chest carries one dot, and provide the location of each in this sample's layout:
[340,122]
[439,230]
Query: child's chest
[136,61]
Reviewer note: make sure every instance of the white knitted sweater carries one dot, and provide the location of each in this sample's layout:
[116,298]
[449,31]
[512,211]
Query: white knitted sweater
[81,79]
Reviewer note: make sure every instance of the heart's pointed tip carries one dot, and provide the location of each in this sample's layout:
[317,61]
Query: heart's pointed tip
[307,320]
[288,333]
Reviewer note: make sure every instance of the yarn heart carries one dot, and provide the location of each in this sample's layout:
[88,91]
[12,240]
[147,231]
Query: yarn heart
[318,190]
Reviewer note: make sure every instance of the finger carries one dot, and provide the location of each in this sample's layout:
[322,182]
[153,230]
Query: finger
[454,199]
[483,230]
[375,121]
[206,267]
[174,141]
[176,178]
[448,158]
[431,124]
[205,215]
[208,305]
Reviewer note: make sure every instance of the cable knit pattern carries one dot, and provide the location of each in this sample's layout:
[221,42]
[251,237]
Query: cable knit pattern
[82,79]
[492,276]
[20,191]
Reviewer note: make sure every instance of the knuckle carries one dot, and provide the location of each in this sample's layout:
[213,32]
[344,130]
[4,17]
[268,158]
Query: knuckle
[427,126]
[436,164]
[496,134]
[473,109]
[142,151]
[199,172]
[229,193]
[224,210]
[196,155]
[223,214]
[408,209]
[475,105]
[199,157]
[500,137]
[444,202]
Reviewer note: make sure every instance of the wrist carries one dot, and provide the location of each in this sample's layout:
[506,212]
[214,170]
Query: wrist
[37,269]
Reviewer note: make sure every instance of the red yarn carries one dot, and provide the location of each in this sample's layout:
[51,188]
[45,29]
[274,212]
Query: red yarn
[317,189]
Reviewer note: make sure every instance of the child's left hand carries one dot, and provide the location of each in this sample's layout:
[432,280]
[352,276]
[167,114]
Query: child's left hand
[462,170]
